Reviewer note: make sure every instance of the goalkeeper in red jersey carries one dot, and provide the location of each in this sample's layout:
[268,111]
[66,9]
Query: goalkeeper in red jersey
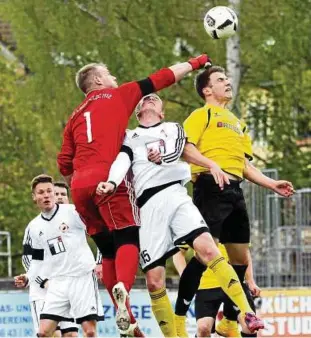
[92,139]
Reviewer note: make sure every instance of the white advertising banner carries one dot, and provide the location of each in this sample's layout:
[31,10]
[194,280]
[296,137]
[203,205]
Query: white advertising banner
[287,313]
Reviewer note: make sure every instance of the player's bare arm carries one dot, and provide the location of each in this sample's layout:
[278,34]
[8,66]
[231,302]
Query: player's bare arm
[281,187]
[249,278]
[192,155]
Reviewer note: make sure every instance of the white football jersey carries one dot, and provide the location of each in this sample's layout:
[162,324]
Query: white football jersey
[35,292]
[60,242]
[167,137]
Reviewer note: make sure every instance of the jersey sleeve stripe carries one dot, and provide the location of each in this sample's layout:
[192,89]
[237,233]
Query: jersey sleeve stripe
[26,263]
[39,280]
[27,251]
[179,146]
[168,156]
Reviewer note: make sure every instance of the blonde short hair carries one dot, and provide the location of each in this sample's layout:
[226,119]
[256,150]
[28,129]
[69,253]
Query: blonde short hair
[83,75]
[140,103]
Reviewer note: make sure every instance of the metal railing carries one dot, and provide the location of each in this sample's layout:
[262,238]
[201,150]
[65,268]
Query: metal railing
[280,235]
[5,249]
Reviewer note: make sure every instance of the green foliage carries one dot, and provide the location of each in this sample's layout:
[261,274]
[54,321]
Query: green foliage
[135,37]
[21,155]
[276,56]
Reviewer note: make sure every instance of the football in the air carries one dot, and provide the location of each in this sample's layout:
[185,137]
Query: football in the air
[220,22]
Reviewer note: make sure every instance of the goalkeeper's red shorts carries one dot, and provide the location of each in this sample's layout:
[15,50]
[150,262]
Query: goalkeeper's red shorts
[116,211]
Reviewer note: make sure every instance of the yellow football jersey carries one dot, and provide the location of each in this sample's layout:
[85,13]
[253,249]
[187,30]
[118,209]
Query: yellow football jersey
[208,279]
[220,136]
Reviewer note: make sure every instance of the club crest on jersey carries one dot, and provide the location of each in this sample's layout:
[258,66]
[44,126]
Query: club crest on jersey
[63,227]
[157,145]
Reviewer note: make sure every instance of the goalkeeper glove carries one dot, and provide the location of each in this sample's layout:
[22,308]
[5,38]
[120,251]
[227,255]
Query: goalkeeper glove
[200,62]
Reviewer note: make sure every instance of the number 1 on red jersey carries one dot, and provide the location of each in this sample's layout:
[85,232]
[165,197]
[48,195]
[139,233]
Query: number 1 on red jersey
[87,116]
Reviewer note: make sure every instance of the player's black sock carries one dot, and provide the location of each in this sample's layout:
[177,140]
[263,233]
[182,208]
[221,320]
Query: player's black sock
[240,271]
[248,335]
[229,311]
[188,285]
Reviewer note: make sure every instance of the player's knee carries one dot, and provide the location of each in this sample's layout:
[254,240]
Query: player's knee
[43,333]
[89,328]
[154,282]
[90,332]
[206,248]
[154,285]
[204,329]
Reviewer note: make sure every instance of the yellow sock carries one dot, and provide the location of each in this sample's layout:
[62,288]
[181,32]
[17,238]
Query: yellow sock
[163,312]
[229,282]
[180,323]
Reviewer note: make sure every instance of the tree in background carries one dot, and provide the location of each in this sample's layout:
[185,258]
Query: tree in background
[21,157]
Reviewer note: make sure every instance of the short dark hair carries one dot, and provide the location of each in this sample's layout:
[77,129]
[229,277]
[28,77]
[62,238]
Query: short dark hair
[43,178]
[62,185]
[202,79]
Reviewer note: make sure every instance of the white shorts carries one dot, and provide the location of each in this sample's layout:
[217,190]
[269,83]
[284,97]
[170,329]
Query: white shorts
[36,308]
[76,297]
[168,218]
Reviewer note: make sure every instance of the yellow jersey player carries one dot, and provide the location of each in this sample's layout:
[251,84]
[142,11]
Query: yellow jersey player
[221,137]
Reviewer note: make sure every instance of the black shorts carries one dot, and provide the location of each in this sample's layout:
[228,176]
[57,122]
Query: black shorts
[224,211]
[207,302]
[108,242]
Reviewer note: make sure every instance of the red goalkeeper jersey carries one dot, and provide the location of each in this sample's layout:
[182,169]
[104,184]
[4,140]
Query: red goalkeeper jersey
[95,131]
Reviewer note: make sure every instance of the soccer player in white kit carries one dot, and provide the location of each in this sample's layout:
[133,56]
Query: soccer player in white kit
[168,216]
[57,237]
[36,293]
